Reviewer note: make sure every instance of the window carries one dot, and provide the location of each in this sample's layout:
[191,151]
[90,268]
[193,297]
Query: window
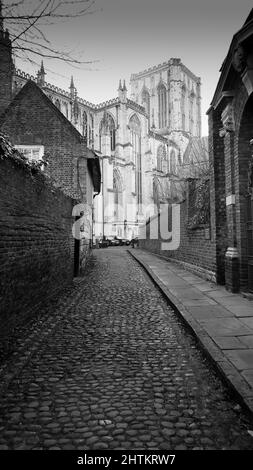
[117,189]
[91,131]
[146,101]
[65,108]
[33,153]
[183,122]
[156,194]
[107,126]
[84,124]
[58,104]
[183,106]
[161,158]
[135,133]
[191,118]
[173,163]
[162,106]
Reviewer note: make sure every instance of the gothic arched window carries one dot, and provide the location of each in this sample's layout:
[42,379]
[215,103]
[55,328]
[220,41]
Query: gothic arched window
[117,190]
[91,131]
[135,134]
[191,114]
[173,163]
[183,97]
[161,157]
[156,194]
[162,105]
[65,109]
[85,124]
[58,104]
[107,126]
[146,100]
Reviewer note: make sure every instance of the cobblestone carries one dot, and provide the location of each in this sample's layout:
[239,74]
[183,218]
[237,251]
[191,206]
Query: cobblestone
[113,367]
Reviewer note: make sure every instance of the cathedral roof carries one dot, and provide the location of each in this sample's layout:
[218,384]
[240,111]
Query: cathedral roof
[30,87]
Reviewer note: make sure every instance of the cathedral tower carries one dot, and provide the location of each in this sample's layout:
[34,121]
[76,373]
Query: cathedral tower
[6,66]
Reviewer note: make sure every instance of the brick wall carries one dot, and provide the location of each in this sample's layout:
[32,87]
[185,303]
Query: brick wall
[36,243]
[196,250]
[217,191]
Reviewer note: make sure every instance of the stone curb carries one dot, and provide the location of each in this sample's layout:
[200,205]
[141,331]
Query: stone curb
[226,369]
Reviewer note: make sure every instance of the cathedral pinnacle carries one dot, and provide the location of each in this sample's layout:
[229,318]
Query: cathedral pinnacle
[72,86]
[72,89]
[122,90]
[42,70]
[41,75]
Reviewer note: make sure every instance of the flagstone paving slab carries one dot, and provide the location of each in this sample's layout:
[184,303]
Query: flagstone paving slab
[242,359]
[229,342]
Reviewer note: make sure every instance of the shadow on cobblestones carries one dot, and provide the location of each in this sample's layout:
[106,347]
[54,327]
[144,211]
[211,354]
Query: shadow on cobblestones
[112,367]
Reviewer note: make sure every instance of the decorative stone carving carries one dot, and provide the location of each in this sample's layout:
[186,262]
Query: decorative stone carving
[239,59]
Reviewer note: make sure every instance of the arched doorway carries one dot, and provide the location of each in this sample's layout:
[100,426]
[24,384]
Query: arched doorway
[250,239]
[245,215]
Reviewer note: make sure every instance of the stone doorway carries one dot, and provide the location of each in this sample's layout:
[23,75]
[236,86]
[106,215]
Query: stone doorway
[250,242]
[245,193]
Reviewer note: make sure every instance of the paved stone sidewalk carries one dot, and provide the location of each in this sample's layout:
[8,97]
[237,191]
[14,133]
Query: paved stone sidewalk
[113,367]
[222,321]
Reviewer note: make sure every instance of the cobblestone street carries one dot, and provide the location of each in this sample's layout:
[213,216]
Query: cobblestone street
[114,368]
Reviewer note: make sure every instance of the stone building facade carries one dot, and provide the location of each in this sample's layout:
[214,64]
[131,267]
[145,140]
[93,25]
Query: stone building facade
[170,93]
[230,139]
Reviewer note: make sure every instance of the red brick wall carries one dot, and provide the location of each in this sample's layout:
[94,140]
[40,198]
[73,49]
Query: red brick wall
[195,248]
[36,243]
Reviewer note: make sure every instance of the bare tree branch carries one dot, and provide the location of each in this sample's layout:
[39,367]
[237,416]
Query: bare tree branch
[27,20]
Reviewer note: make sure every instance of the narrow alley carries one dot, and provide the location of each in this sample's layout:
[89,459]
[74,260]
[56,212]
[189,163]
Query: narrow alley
[113,367]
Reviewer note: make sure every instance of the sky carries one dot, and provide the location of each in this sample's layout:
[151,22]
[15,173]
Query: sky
[126,36]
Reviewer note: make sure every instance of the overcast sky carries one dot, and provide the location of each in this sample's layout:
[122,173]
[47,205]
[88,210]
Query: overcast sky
[127,36]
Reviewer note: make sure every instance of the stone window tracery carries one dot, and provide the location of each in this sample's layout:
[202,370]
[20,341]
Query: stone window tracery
[161,157]
[107,125]
[162,106]
[135,135]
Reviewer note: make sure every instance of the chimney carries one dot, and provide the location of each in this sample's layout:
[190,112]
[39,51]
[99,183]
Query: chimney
[6,66]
